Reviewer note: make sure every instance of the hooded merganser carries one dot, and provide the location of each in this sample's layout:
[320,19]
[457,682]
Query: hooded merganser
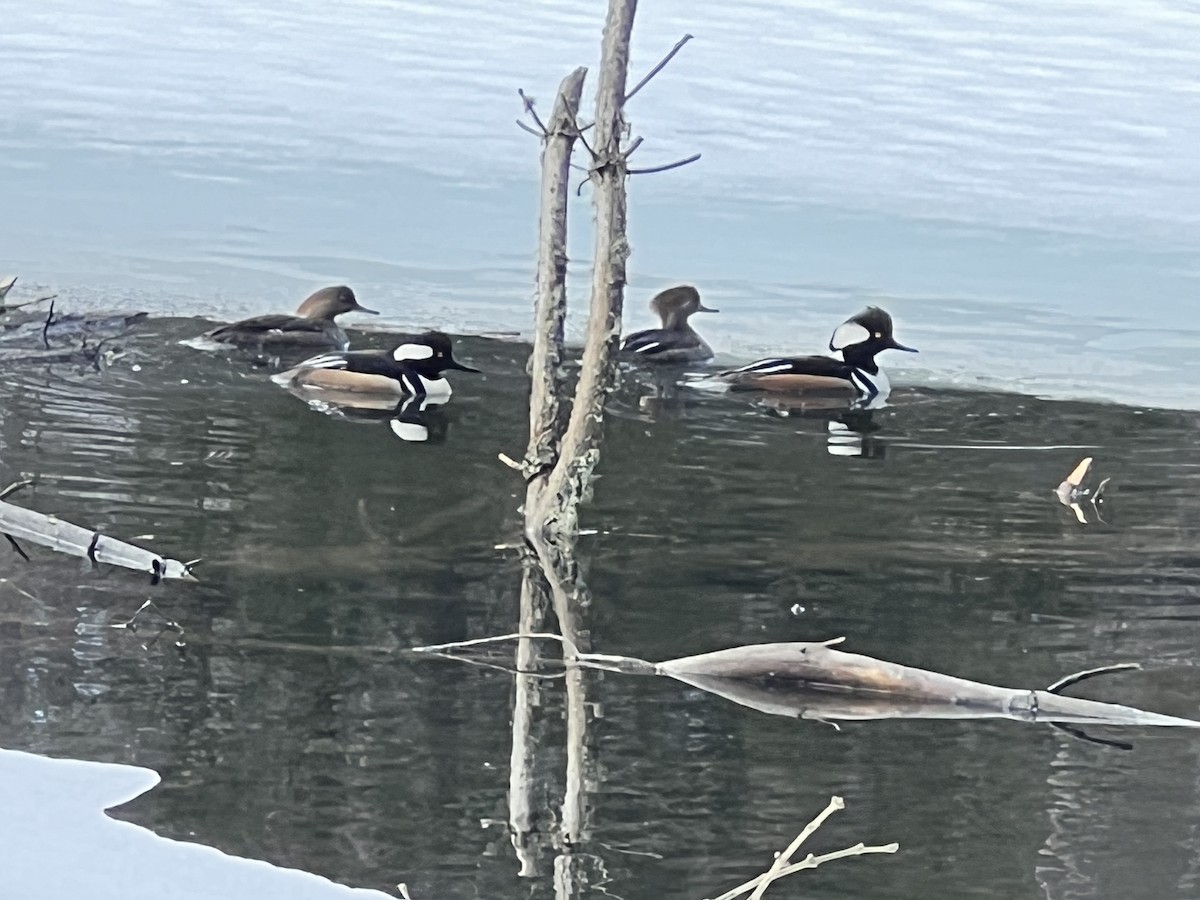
[311,326]
[676,341]
[413,369]
[858,340]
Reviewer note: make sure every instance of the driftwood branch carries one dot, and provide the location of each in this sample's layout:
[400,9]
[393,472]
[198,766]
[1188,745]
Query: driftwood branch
[48,531]
[661,65]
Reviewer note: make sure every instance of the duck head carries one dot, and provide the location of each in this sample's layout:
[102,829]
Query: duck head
[860,337]
[430,353]
[330,302]
[675,305]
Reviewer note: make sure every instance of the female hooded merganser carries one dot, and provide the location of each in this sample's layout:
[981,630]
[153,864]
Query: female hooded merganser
[676,341]
[858,340]
[413,369]
[312,326]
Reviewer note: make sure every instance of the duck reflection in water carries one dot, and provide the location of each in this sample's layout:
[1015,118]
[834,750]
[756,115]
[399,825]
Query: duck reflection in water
[850,431]
[413,419]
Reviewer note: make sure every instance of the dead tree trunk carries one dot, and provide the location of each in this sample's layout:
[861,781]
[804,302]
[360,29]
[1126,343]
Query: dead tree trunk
[545,364]
[553,507]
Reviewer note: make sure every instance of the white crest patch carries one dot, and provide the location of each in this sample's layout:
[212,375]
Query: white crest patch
[412,351]
[847,335]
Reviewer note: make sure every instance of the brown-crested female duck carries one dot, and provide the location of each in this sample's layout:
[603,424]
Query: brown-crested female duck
[675,341]
[312,326]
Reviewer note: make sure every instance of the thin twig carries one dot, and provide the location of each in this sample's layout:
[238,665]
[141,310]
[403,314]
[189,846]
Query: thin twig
[835,804]
[528,101]
[583,140]
[666,59]
[17,547]
[1067,680]
[484,664]
[24,303]
[46,326]
[510,462]
[637,142]
[667,167]
[14,487]
[474,642]
[533,131]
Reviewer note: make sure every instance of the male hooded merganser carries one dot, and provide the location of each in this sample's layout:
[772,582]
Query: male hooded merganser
[676,341]
[413,369]
[312,326]
[858,340]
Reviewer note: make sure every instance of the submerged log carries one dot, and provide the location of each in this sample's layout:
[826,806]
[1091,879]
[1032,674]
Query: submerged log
[815,681]
[20,524]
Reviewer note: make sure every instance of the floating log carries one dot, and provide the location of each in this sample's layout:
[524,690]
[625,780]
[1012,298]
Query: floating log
[20,524]
[815,681]
[806,680]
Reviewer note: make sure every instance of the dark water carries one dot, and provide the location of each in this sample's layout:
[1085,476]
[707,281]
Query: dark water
[290,729]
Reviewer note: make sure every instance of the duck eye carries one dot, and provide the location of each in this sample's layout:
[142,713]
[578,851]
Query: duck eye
[878,334]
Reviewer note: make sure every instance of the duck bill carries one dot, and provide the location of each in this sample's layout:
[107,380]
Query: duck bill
[363,309]
[893,344]
[703,308]
[455,364]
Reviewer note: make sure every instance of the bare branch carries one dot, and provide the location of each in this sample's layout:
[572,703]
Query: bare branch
[666,59]
[528,101]
[46,327]
[675,165]
[583,140]
[533,131]
[783,865]
[637,142]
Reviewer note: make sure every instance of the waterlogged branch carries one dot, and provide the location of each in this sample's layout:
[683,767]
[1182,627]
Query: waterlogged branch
[783,865]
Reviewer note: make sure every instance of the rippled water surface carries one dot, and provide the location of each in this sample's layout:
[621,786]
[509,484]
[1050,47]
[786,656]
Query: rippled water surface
[1017,178]
[291,729]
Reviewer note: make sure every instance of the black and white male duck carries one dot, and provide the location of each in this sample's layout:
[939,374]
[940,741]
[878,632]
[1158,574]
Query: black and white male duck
[856,374]
[676,341]
[313,324]
[412,369]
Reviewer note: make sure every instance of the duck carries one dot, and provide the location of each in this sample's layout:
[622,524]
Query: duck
[856,374]
[412,369]
[676,341]
[312,326]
